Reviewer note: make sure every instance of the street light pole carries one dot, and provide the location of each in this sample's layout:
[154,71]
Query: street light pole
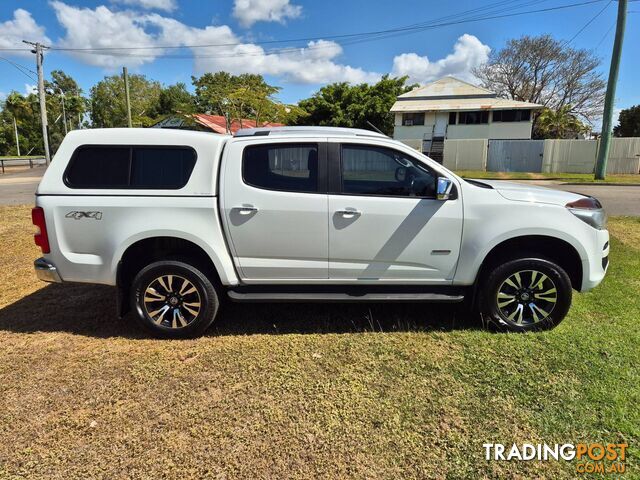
[15,130]
[609,99]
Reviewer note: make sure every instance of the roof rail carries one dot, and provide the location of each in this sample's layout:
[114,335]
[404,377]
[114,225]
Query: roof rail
[275,131]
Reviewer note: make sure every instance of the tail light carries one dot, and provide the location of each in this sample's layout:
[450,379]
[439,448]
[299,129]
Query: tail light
[41,237]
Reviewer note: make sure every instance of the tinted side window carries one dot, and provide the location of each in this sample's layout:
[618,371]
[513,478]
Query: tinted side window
[369,170]
[158,167]
[97,167]
[130,167]
[284,167]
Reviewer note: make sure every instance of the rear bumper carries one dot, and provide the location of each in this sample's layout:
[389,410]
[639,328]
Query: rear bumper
[46,271]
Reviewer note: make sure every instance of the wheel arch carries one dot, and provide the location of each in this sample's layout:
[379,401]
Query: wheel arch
[556,249]
[142,251]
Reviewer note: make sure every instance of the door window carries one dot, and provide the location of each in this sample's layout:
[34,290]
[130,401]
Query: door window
[370,170]
[283,167]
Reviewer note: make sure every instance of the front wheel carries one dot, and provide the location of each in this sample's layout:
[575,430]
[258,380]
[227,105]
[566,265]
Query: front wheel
[173,299]
[525,294]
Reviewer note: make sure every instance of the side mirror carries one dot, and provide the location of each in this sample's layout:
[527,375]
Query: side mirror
[443,190]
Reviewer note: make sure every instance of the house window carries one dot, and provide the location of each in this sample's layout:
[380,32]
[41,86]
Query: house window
[452,118]
[409,119]
[473,118]
[511,115]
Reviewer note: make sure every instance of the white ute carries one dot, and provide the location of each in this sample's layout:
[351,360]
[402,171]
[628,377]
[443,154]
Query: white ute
[179,220]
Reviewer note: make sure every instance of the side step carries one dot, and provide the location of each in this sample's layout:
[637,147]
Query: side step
[306,297]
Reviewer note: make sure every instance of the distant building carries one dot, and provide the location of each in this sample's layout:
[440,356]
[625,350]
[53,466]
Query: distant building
[451,108]
[209,123]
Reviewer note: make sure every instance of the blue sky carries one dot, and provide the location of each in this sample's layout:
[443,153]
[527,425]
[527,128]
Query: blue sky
[302,67]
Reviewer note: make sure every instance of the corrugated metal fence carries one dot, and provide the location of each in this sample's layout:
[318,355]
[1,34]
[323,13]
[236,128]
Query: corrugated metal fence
[554,156]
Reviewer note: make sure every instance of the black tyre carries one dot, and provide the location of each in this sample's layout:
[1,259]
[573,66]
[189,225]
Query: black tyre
[173,299]
[525,294]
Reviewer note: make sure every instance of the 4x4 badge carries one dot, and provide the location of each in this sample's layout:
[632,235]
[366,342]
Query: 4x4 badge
[79,215]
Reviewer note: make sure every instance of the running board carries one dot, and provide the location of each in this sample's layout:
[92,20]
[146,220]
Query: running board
[342,297]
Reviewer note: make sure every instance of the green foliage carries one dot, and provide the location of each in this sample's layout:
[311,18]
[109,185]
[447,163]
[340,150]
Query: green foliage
[175,99]
[628,123]
[61,88]
[108,104]
[560,123]
[345,105]
[237,97]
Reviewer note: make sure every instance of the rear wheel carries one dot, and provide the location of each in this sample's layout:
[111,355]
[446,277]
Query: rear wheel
[525,294]
[173,299]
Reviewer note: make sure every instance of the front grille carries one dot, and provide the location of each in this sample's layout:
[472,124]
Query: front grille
[605,262]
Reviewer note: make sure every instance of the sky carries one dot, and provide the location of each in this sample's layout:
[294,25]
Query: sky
[298,45]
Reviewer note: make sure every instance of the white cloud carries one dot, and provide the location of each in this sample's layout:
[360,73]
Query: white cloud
[29,89]
[103,28]
[249,12]
[468,52]
[312,64]
[166,5]
[22,27]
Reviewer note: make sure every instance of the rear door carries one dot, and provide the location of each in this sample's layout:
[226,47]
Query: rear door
[274,201]
[385,223]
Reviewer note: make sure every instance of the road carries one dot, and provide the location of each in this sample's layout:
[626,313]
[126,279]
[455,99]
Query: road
[616,199]
[19,188]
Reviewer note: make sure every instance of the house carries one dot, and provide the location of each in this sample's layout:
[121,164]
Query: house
[451,108]
[209,123]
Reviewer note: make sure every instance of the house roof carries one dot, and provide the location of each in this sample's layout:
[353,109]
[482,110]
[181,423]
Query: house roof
[447,87]
[450,94]
[215,123]
[218,123]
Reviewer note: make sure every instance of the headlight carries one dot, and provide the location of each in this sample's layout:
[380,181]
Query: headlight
[589,210]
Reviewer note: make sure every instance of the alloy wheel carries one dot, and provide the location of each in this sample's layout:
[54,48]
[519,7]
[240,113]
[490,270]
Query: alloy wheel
[172,301]
[527,297]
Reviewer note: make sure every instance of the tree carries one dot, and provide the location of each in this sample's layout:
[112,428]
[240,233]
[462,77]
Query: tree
[108,104]
[628,123]
[175,99]
[548,72]
[62,88]
[345,105]
[559,123]
[235,96]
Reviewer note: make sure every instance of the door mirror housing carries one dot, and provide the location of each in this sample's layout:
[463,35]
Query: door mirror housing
[443,191]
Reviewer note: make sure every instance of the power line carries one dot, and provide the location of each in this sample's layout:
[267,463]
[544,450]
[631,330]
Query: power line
[605,35]
[354,37]
[21,68]
[366,37]
[589,22]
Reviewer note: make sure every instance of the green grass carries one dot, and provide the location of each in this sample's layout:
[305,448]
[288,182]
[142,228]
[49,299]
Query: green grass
[307,391]
[564,177]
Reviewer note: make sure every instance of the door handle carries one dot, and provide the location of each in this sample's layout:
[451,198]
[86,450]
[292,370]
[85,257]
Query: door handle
[246,209]
[349,212]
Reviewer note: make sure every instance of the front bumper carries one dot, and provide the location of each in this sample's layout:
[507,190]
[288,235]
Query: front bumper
[46,271]
[595,266]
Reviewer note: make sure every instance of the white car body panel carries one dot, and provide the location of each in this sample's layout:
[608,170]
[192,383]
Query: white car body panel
[294,238]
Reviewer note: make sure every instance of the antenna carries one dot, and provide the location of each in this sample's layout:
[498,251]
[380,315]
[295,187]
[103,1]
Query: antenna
[375,128]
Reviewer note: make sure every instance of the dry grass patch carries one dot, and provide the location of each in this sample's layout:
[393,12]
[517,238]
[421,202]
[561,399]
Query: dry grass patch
[277,391]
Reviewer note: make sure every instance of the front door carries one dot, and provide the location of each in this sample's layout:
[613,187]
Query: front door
[275,206]
[385,223]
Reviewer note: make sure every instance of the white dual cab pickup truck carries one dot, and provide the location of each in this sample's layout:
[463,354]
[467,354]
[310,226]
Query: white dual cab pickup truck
[181,220]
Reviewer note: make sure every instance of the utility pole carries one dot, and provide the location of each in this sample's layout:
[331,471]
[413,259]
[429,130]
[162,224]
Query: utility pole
[609,100]
[126,94]
[43,105]
[15,130]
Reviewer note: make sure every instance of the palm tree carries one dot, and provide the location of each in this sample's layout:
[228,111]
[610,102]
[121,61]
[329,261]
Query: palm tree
[559,123]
